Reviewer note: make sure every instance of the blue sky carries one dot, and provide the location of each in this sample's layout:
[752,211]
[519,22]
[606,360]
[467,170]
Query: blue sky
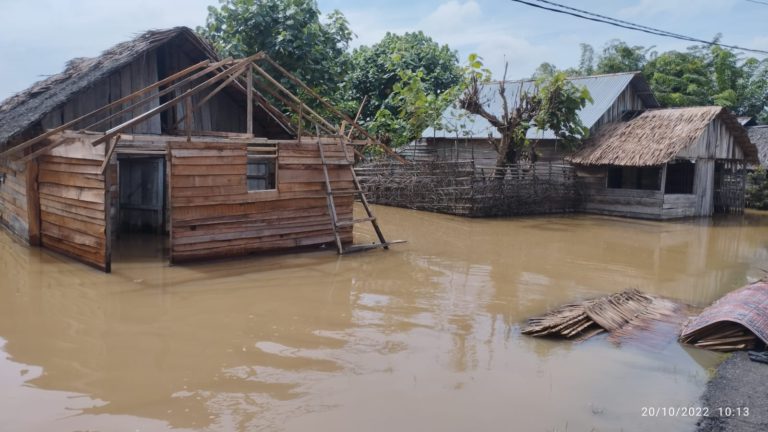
[37,37]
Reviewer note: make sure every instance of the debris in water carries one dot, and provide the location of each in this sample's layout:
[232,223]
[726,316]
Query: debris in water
[738,321]
[612,313]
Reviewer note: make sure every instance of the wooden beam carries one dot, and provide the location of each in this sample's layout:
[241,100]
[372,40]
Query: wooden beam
[235,72]
[33,203]
[357,116]
[110,150]
[163,92]
[45,149]
[295,98]
[157,110]
[249,98]
[188,117]
[333,109]
[68,125]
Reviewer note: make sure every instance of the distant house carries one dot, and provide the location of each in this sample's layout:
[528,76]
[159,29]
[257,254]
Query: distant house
[759,137]
[467,136]
[667,163]
[159,133]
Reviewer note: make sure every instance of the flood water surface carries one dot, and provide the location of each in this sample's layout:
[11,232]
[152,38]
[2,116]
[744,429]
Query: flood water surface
[422,337]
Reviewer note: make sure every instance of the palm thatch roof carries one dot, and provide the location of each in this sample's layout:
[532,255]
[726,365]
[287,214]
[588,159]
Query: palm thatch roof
[22,111]
[656,136]
[759,137]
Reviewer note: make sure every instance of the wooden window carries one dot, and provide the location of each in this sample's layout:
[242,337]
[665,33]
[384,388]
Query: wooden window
[642,178]
[680,175]
[262,173]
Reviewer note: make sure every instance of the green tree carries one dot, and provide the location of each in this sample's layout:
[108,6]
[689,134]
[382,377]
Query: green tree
[377,69]
[680,79]
[618,56]
[552,104]
[293,32]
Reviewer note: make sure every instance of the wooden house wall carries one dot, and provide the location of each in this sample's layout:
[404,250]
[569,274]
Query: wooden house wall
[135,76]
[481,151]
[599,199]
[13,200]
[213,214]
[72,203]
[225,112]
[715,143]
[628,100]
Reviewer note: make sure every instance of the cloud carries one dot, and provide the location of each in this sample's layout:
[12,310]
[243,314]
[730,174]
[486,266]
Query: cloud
[453,15]
[675,8]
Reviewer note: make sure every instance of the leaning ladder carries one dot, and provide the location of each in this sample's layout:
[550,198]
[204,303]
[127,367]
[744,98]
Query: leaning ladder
[330,194]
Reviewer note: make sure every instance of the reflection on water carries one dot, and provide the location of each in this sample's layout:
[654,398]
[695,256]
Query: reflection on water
[421,337]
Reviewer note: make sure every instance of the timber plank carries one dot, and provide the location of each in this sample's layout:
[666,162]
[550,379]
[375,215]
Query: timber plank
[82,194]
[71,235]
[84,227]
[209,169]
[182,181]
[72,179]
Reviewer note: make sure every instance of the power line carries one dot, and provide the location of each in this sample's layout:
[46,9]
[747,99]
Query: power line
[758,2]
[579,13]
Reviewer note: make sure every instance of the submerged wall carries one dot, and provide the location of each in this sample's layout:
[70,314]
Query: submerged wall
[463,189]
[13,200]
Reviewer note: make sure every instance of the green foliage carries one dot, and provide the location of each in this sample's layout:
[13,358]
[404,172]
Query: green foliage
[757,189]
[560,102]
[618,56]
[375,70]
[293,32]
[701,75]
[409,81]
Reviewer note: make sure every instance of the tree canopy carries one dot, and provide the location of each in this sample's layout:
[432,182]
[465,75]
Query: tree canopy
[700,75]
[293,32]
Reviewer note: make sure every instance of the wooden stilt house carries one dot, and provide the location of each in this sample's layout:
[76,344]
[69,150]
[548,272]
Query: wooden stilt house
[159,133]
[667,163]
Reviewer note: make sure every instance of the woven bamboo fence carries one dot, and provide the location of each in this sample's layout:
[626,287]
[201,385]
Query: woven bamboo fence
[465,189]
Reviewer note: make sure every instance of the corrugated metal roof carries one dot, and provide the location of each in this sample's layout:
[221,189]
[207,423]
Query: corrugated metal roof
[604,90]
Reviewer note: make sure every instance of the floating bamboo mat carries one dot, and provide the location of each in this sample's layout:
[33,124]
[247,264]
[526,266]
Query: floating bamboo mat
[626,315]
[737,321]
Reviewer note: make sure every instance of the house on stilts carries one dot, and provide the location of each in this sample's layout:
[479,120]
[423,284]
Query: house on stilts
[160,134]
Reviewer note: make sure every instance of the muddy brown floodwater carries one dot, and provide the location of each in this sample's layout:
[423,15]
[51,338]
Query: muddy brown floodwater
[422,337]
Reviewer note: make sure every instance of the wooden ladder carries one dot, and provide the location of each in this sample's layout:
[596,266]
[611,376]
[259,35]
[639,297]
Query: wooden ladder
[330,194]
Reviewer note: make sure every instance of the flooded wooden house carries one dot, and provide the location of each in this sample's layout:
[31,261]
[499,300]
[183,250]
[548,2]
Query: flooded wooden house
[159,134]
[666,163]
[464,136]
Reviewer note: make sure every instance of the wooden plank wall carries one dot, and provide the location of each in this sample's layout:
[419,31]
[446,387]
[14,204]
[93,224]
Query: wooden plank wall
[133,77]
[213,214]
[72,203]
[599,199]
[13,200]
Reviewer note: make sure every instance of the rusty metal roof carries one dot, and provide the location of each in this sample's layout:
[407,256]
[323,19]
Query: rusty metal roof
[747,306]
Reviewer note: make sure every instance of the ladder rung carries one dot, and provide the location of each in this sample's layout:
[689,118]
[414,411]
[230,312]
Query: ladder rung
[354,221]
[346,192]
[342,163]
[365,247]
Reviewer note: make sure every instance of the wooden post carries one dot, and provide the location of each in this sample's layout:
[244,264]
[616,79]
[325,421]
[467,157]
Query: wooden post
[188,117]
[33,203]
[301,120]
[249,110]
[108,215]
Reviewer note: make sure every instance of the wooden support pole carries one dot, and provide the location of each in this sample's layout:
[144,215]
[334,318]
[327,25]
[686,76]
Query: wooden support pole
[249,110]
[108,152]
[301,120]
[357,116]
[188,117]
[295,98]
[74,122]
[332,108]
[33,203]
[235,72]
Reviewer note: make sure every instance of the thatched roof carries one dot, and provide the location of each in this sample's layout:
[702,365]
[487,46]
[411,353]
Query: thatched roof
[759,137]
[23,110]
[656,136]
